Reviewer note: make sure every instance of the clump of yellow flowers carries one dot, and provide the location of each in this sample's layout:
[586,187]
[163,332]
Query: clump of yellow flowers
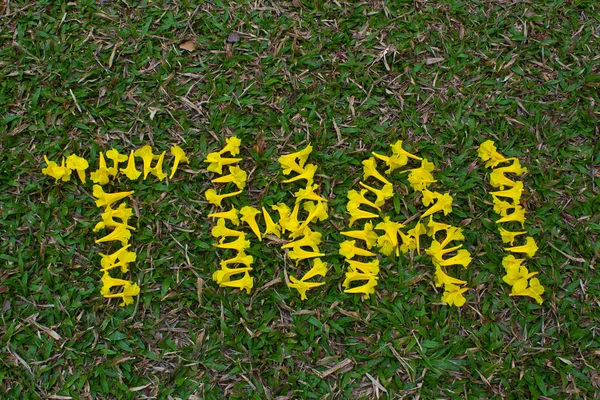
[507,205]
[115,218]
[303,242]
[230,238]
[391,239]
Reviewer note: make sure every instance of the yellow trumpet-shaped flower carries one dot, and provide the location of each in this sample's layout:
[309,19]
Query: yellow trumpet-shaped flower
[236,175]
[399,152]
[462,257]
[437,251]
[429,197]
[295,161]
[443,203]
[383,194]
[441,278]
[518,215]
[130,171]
[109,261]
[356,214]
[416,233]
[271,226]
[371,267]
[370,170]
[349,250]
[108,282]
[308,174]
[367,289]
[106,199]
[356,197]
[157,170]
[146,154]
[116,158]
[487,152]
[509,237]
[497,179]
[517,277]
[55,171]
[408,243]
[319,268]
[510,262]
[216,162]
[316,211]
[420,178]
[453,295]
[232,146]
[179,157]
[535,290]
[302,286]
[310,239]
[120,233]
[394,162]
[240,258]
[298,254]
[434,227]
[308,193]
[246,283]
[220,230]
[353,276]
[240,244]
[79,164]
[367,234]
[513,193]
[231,215]
[285,216]
[502,207]
[214,198]
[225,273]
[108,217]
[453,233]
[129,291]
[102,175]
[391,229]
[248,215]
[530,248]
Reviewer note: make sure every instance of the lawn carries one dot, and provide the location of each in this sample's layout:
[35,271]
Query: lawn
[349,78]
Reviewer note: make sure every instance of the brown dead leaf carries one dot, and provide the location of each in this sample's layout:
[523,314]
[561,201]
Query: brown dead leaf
[188,45]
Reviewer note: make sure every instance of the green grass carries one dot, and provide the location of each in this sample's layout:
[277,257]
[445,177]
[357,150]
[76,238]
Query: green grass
[84,77]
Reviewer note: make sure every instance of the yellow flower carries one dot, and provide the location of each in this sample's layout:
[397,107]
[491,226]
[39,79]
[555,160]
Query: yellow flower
[462,257]
[225,273]
[289,164]
[308,193]
[367,289]
[287,220]
[214,198]
[108,282]
[367,234]
[420,178]
[145,153]
[437,251]
[109,261]
[298,254]
[429,196]
[441,278]
[236,175]
[245,283]
[510,262]
[517,277]
[353,276]
[453,233]
[120,233]
[231,215]
[308,174]
[232,146]
[386,192]
[513,193]
[529,248]
[487,152]
[310,239]
[356,214]
[370,169]
[302,286]
[416,233]
[179,157]
[535,290]
[240,258]
[509,237]
[127,294]
[359,198]
[248,215]
[518,215]
[453,295]
[316,211]
[220,230]
[443,203]
[79,164]
[216,162]
[408,242]
[349,250]
[107,199]
[401,153]
[123,213]
[102,175]
[131,172]
[497,179]
[394,162]
[433,227]
[501,207]
[390,229]
[116,158]
[240,244]
[55,171]
[371,267]
[271,226]
[157,171]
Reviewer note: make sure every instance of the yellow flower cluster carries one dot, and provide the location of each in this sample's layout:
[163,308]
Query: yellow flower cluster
[104,173]
[117,219]
[247,214]
[517,275]
[300,234]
